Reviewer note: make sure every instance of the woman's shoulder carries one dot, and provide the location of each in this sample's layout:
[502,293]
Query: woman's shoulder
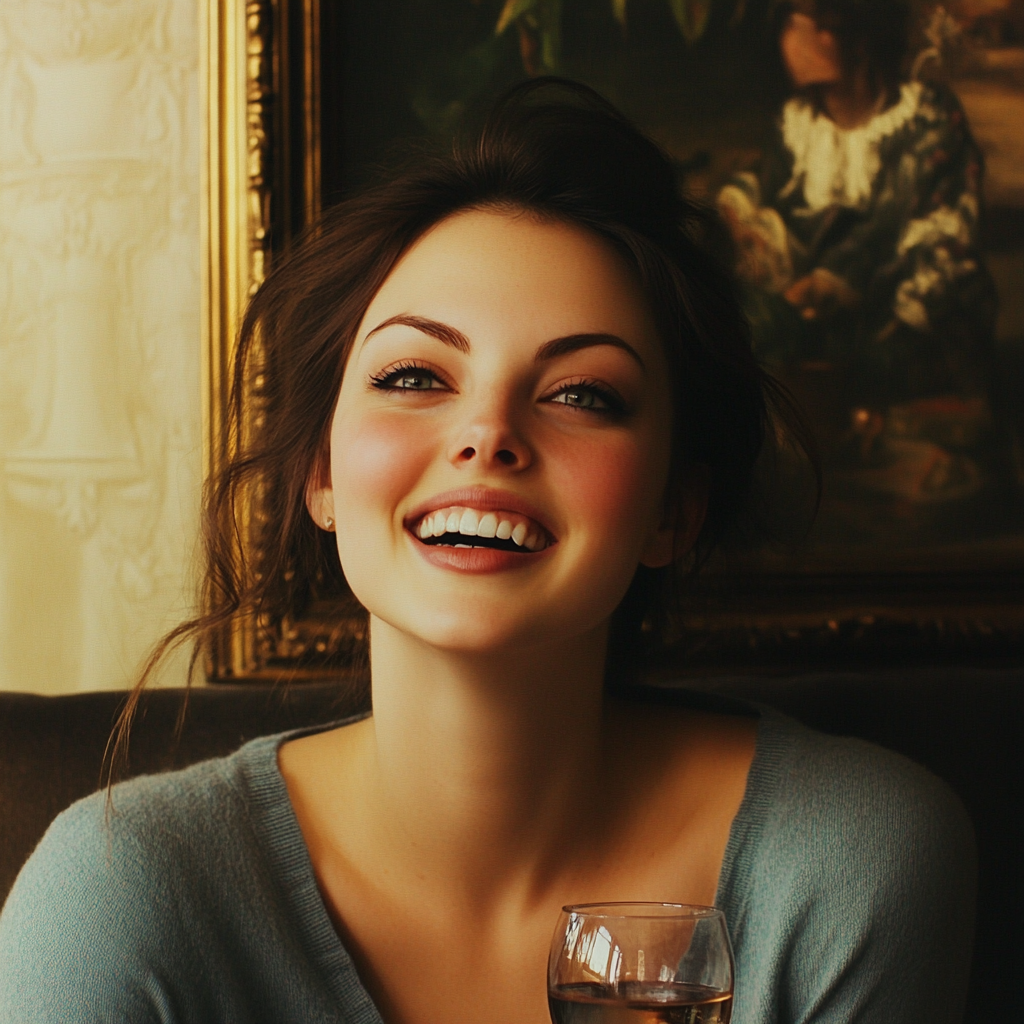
[849,882]
[804,781]
[176,815]
[141,825]
[117,886]
[160,815]
[161,811]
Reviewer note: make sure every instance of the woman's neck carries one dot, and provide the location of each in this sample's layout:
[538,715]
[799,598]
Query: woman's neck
[486,760]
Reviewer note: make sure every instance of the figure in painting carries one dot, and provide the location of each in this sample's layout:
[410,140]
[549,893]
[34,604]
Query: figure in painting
[857,242]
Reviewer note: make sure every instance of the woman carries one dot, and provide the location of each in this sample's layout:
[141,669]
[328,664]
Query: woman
[507,394]
[859,235]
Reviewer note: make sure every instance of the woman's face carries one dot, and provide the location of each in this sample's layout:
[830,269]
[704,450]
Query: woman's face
[811,54]
[506,391]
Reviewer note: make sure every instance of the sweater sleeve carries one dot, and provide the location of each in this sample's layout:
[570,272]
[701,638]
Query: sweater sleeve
[190,900]
[77,930]
[852,890]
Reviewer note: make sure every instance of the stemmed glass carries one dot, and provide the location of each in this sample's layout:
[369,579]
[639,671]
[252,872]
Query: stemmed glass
[640,963]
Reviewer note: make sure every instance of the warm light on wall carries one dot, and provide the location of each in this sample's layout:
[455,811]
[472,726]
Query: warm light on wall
[100,448]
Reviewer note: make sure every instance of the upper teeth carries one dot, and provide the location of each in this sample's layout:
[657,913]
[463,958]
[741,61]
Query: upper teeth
[471,523]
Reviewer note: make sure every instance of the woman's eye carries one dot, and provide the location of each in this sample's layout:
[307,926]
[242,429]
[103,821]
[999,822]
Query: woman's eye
[409,378]
[580,398]
[590,397]
[415,381]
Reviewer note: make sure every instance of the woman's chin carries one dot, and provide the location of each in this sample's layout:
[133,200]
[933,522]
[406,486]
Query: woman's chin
[464,632]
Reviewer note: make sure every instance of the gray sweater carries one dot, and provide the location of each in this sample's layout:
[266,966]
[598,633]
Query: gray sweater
[847,883]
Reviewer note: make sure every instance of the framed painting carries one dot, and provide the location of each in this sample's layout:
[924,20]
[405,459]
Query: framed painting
[912,379]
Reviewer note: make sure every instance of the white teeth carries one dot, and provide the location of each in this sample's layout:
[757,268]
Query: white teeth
[488,525]
[471,523]
[462,545]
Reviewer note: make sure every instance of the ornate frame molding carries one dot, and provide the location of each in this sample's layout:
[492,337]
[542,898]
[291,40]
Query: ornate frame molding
[260,82]
[237,91]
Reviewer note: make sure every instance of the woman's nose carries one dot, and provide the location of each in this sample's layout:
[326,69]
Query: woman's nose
[490,439]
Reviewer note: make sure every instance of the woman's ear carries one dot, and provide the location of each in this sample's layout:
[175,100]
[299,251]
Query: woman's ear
[320,493]
[684,517]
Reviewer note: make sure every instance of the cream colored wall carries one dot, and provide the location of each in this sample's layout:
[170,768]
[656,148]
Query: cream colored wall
[100,458]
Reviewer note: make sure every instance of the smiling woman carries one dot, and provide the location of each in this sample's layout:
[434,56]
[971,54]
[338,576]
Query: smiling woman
[510,394]
[552,167]
[550,421]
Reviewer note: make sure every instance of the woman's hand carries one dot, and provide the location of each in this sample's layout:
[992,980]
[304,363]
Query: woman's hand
[821,293]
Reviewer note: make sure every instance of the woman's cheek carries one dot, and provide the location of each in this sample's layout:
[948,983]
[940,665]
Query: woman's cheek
[610,484]
[376,461]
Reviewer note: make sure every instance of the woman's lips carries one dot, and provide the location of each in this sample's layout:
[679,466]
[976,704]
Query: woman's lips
[477,540]
[476,559]
[478,529]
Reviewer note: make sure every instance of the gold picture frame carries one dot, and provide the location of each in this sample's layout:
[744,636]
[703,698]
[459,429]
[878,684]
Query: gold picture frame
[241,90]
[260,186]
[263,179]
[235,53]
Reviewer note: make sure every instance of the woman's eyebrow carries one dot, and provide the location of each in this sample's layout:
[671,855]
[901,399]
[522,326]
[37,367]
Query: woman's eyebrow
[436,329]
[549,350]
[574,342]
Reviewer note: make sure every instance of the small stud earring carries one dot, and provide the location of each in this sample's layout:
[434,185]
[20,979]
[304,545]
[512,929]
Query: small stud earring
[329,522]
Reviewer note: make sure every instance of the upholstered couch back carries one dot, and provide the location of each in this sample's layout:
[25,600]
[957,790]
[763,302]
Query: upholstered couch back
[967,726]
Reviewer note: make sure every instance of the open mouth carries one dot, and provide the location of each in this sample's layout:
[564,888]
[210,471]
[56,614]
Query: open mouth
[460,527]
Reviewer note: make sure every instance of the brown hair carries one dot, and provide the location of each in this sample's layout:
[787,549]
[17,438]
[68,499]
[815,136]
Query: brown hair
[551,147]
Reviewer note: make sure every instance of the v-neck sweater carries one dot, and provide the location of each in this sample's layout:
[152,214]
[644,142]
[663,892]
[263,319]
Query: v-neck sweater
[847,883]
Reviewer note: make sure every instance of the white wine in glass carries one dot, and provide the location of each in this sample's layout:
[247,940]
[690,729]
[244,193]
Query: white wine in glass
[640,963]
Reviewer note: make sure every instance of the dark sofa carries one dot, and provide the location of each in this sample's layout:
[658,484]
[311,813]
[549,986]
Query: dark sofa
[967,726]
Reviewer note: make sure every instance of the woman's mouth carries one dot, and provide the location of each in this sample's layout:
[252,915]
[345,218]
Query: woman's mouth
[460,527]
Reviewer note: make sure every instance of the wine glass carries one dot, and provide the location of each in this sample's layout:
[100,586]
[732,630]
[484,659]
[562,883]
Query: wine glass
[640,963]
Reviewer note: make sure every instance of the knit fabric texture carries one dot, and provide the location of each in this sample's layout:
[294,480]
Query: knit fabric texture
[847,883]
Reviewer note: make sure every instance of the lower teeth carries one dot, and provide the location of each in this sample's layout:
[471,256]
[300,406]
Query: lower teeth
[494,545]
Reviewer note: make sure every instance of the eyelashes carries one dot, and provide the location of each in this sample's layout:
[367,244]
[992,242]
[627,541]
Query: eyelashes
[582,394]
[589,396]
[409,376]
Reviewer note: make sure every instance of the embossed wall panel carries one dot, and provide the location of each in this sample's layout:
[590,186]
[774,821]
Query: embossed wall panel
[100,447]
